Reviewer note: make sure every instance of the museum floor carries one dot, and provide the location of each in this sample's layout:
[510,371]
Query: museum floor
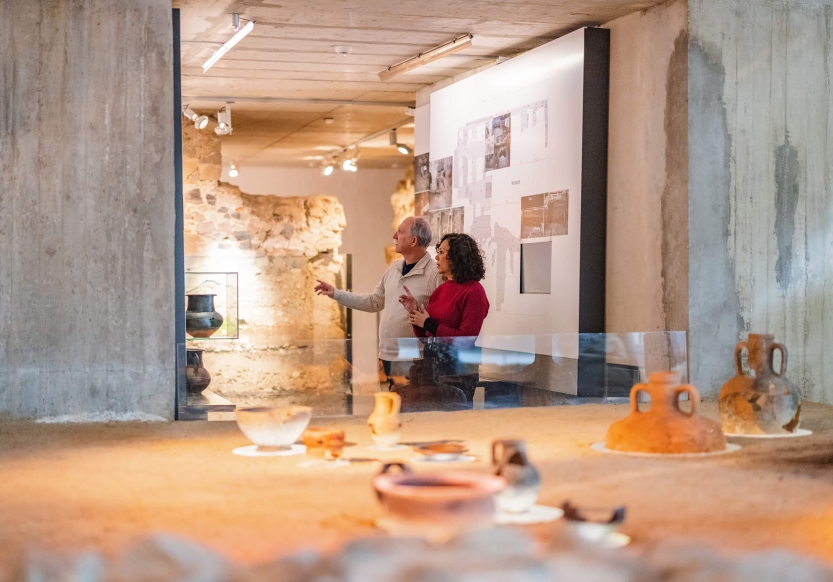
[71,487]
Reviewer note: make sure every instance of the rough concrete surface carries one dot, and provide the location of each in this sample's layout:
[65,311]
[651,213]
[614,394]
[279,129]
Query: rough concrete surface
[86,208]
[761,184]
[647,228]
[74,487]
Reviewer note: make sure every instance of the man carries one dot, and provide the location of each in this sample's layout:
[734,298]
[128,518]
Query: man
[417,270]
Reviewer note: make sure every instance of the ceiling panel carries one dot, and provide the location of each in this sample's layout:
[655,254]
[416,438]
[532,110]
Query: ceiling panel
[290,56]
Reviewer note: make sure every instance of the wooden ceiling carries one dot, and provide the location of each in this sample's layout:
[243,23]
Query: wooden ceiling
[289,63]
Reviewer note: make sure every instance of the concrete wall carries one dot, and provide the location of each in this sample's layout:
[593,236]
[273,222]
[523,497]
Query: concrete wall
[761,185]
[647,230]
[366,198]
[86,208]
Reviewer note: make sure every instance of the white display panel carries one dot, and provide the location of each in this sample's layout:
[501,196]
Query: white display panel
[515,135]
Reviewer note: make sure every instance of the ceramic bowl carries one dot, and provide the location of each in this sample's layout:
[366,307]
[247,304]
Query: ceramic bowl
[273,428]
[453,501]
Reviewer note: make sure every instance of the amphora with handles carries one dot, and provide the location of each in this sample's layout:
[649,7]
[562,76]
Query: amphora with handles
[763,402]
[384,421]
[665,428]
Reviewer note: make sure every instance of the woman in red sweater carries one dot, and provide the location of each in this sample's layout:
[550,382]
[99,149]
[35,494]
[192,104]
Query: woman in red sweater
[458,306]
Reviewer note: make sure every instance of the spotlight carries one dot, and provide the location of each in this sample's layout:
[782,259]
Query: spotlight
[233,172]
[348,166]
[224,121]
[403,149]
[328,170]
[200,121]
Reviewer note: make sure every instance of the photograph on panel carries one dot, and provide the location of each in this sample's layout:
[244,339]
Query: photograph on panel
[422,175]
[439,196]
[499,142]
[544,215]
[420,203]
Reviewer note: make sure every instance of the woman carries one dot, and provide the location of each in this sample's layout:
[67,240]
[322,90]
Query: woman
[458,306]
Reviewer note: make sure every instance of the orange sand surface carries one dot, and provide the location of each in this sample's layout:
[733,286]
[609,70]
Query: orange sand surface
[103,486]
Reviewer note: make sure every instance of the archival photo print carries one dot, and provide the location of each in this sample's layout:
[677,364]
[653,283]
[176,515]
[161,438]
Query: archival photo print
[439,196]
[544,215]
[498,142]
[420,203]
[444,222]
[422,177]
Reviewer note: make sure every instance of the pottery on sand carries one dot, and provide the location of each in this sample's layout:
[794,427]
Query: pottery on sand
[664,428]
[765,403]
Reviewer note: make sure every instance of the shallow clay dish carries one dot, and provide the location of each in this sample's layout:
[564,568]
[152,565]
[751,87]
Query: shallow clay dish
[441,449]
[454,500]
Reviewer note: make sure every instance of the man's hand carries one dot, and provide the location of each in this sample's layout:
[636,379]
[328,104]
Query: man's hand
[324,288]
[418,317]
[407,300]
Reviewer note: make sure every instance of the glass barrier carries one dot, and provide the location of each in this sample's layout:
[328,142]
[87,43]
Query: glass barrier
[433,374]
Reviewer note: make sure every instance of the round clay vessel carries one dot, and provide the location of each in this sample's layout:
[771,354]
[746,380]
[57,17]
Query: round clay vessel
[201,320]
[664,428]
[197,377]
[510,461]
[273,428]
[455,500]
[766,403]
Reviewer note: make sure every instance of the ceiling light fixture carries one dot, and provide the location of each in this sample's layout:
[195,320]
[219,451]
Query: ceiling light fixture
[344,49]
[224,121]
[328,120]
[458,44]
[230,42]
[200,121]
[403,149]
[328,169]
[233,172]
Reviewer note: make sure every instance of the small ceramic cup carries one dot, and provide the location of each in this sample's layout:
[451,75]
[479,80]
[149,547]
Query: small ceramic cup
[324,443]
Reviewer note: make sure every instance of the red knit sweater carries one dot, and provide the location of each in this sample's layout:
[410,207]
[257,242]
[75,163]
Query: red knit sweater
[459,309]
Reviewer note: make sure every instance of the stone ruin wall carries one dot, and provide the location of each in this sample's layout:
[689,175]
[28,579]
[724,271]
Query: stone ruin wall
[403,206]
[278,246]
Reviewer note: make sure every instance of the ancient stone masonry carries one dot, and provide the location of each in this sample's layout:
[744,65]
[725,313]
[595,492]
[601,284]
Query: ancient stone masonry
[403,206]
[278,246]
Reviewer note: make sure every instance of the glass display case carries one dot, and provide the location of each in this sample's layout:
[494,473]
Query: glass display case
[224,287]
[445,374]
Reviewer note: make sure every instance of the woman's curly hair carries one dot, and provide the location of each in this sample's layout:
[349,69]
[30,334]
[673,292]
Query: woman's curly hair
[464,258]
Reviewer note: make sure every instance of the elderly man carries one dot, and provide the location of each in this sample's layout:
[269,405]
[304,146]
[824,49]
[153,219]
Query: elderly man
[417,270]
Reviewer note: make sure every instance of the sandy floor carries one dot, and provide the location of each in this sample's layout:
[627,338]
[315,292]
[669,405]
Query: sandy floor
[103,486]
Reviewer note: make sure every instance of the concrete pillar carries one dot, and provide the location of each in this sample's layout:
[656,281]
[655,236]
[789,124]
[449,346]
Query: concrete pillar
[86,208]
[761,185]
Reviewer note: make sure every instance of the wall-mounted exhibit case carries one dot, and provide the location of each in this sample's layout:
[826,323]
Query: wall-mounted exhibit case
[223,286]
[516,156]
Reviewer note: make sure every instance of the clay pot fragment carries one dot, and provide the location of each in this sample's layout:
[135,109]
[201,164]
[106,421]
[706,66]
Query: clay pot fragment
[664,428]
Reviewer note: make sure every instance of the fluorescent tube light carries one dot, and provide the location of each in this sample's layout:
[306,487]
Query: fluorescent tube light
[439,52]
[228,46]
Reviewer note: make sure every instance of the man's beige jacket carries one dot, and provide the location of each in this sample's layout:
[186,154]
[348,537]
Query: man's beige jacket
[422,280]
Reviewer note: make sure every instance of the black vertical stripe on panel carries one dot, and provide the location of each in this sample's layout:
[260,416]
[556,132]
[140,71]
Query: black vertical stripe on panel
[179,228]
[593,212]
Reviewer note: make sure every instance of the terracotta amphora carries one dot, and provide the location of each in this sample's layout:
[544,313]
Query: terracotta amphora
[763,404]
[523,482]
[384,421]
[664,428]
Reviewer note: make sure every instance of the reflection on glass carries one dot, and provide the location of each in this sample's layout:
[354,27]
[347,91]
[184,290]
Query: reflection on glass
[447,374]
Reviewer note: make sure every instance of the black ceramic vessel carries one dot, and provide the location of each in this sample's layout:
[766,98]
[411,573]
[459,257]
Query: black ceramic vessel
[201,320]
[197,377]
